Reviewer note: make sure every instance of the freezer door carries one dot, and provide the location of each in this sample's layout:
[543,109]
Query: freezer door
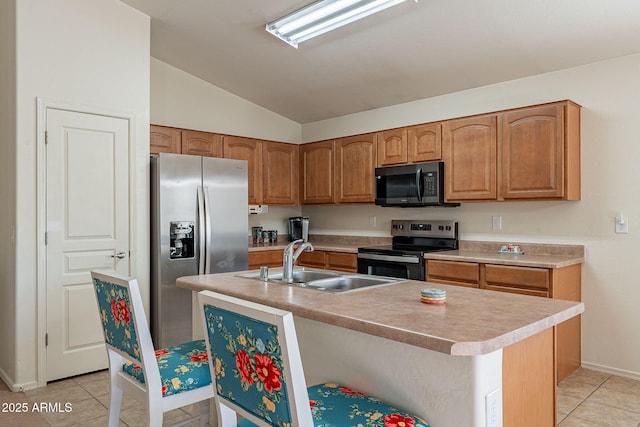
[226,200]
[175,180]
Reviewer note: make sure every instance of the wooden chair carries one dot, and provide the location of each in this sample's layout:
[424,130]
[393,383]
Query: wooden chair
[161,380]
[257,373]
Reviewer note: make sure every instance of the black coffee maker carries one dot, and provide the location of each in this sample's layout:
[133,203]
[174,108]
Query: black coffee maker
[299,228]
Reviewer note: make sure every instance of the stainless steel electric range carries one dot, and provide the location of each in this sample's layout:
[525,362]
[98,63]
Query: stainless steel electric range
[411,239]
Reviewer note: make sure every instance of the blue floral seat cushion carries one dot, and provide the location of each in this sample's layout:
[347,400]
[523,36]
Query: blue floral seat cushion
[182,367]
[333,405]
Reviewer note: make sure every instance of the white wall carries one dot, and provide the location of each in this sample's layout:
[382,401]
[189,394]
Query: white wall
[7,182]
[181,100]
[81,53]
[608,92]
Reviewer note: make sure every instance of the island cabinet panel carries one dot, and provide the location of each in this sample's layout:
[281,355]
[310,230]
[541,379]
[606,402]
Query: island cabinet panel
[317,173]
[558,283]
[529,362]
[240,148]
[355,161]
[533,153]
[392,147]
[269,258]
[280,173]
[164,140]
[424,142]
[469,150]
[201,143]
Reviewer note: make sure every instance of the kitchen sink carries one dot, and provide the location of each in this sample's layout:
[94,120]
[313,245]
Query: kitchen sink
[324,280]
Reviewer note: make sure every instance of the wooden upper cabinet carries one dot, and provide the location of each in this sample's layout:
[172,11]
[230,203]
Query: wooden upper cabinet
[424,142]
[317,173]
[469,150]
[355,161]
[236,147]
[280,173]
[540,152]
[164,140]
[201,143]
[392,147]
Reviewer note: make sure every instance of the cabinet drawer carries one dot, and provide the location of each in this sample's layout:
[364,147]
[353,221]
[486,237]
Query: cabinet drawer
[342,261]
[517,277]
[268,258]
[522,291]
[312,259]
[454,271]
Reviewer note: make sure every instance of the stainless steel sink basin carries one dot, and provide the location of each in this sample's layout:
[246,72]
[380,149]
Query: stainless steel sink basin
[324,280]
[349,283]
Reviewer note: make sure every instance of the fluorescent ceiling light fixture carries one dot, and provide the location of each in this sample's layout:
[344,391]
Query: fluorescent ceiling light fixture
[322,16]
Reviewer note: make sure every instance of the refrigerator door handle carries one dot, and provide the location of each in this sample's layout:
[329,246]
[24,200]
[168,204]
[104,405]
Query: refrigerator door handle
[208,230]
[202,255]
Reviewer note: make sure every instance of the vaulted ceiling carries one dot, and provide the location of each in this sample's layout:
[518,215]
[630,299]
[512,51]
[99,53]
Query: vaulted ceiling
[417,49]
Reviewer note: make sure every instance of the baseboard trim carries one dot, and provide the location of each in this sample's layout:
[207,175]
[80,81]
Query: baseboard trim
[17,387]
[613,371]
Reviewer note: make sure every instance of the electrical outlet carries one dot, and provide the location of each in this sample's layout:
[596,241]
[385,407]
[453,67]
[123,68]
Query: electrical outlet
[372,221]
[496,222]
[493,402]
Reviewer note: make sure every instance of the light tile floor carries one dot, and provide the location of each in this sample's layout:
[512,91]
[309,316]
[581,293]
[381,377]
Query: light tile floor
[585,399]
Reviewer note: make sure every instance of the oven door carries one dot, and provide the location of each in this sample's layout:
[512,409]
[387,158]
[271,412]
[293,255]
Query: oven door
[401,266]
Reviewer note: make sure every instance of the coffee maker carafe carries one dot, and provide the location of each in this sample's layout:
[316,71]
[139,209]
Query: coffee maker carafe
[299,228]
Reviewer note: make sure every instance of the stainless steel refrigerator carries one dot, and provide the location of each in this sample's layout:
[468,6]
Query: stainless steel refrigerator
[199,223]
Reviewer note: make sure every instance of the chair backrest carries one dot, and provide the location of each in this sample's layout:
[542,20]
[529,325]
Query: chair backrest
[125,327]
[255,361]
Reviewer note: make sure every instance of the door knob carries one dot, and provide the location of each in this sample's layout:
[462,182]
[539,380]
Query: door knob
[120,255]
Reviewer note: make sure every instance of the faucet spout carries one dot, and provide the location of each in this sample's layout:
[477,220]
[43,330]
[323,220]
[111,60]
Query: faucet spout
[290,257]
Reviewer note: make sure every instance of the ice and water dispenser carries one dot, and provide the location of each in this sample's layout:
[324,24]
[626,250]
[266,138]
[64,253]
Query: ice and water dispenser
[181,239]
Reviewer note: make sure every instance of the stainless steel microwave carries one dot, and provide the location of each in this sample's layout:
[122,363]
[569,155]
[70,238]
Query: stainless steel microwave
[415,185]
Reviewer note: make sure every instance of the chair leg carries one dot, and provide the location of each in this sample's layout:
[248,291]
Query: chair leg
[204,411]
[114,406]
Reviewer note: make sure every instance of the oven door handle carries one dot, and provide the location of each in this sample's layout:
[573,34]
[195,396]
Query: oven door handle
[393,258]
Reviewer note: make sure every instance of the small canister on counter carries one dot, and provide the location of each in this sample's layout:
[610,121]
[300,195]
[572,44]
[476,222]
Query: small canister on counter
[266,237]
[274,236]
[256,234]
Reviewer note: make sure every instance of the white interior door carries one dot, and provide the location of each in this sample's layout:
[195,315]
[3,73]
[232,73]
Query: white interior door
[87,209]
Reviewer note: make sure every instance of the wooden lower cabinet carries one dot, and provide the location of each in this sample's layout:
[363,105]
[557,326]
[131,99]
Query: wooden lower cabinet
[559,283]
[270,258]
[330,260]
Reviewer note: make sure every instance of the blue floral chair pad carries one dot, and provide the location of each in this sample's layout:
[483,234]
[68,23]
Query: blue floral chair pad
[182,367]
[333,405]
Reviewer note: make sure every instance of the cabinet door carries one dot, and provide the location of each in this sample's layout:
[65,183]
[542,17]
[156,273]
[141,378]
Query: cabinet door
[316,168]
[533,153]
[201,143]
[528,280]
[342,261]
[236,147]
[270,258]
[355,161]
[164,139]
[392,147]
[454,273]
[280,173]
[315,259]
[424,142]
[469,150]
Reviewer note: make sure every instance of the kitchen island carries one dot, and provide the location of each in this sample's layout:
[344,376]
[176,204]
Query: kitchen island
[441,362]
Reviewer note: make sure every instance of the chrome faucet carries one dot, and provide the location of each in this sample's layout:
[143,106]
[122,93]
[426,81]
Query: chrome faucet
[290,257]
